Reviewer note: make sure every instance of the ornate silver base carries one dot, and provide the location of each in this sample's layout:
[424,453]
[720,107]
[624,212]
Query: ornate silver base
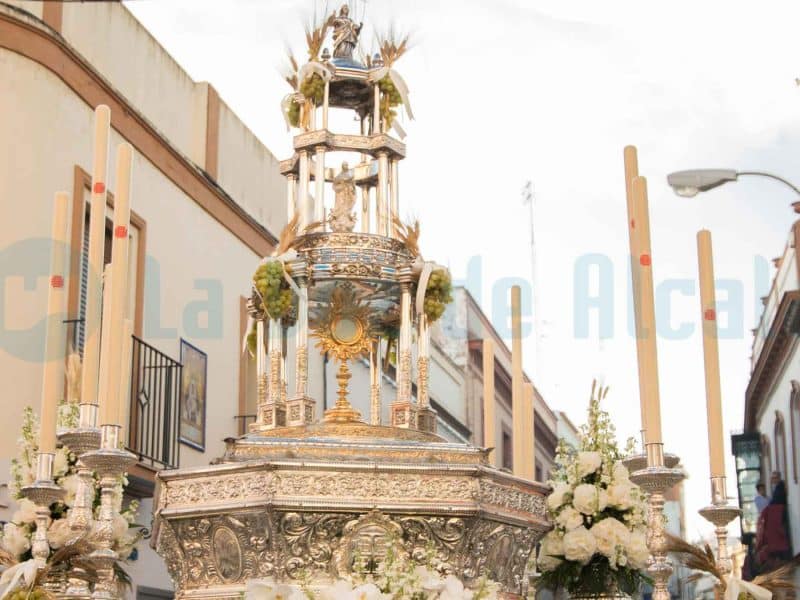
[655,480]
[43,492]
[637,462]
[719,514]
[80,439]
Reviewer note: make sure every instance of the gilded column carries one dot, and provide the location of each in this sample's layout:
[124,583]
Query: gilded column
[301,341]
[302,192]
[325,99]
[262,382]
[376,111]
[423,353]
[275,332]
[404,345]
[394,193]
[381,202]
[291,196]
[365,212]
[319,180]
[375,382]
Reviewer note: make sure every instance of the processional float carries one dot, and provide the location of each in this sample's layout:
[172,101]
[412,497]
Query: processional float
[311,495]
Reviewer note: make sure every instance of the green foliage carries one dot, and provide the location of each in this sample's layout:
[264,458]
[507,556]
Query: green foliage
[438,294]
[274,290]
[596,578]
[313,88]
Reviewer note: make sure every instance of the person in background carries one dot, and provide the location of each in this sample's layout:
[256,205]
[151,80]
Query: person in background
[761,499]
[774,479]
[772,533]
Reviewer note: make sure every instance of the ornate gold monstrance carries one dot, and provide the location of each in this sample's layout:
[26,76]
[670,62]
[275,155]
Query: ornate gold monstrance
[308,499]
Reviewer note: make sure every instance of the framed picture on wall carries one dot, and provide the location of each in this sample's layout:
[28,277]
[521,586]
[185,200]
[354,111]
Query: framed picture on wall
[193,396]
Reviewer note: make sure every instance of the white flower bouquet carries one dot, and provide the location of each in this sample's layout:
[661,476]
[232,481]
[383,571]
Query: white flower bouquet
[598,542]
[17,533]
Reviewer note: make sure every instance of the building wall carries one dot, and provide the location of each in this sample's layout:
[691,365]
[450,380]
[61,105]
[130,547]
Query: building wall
[198,262]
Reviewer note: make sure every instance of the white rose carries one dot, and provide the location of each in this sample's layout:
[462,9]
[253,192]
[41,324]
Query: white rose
[623,495]
[549,552]
[15,540]
[60,462]
[558,496]
[579,545]
[70,485]
[269,590]
[26,513]
[637,550]
[586,499]
[368,591]
[569,518]
[588,463]
[612,536]
[620,473]
[59,533]
[454,589]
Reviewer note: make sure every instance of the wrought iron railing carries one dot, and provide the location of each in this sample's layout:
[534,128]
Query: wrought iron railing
[155,407]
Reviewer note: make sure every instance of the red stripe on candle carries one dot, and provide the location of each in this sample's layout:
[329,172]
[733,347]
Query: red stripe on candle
[99,187]
[710,315]
[121,231]
[633,223]
[56,281]
[645,260]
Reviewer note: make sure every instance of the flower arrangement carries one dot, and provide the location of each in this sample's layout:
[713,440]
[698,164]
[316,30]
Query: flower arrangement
[598,543]
[394,579]
[17,533]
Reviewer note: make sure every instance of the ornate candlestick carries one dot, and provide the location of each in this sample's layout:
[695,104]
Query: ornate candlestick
[42,492]
[720,513]
[80,440]
[655,480]
[110,462]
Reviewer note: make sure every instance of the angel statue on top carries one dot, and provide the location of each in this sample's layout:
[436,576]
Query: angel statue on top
[345,34]
[342,218]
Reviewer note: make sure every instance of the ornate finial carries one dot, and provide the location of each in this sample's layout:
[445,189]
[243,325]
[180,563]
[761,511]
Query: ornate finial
[377,60]
[326,55]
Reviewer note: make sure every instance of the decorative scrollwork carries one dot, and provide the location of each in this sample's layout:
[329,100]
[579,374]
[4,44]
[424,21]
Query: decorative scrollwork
[310,539]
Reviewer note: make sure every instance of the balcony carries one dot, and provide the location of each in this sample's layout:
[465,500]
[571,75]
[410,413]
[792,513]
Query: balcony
[154,413]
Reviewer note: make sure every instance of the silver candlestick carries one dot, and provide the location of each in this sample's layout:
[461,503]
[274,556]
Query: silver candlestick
[80,440]
[719,514]
[655,480]
[42,492]
[110,462]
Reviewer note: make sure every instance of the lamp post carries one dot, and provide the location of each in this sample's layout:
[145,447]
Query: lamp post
[692,182]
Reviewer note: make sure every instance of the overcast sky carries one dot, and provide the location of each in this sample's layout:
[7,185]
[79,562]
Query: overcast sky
[551,91]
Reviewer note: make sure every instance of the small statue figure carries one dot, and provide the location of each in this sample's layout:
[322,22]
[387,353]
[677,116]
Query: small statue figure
[342,218]
[345,34]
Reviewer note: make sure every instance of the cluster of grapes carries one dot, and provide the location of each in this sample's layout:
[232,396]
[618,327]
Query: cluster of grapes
[438,294]
[273,289]
[293,114]
[390,98]
[389,90]
[313,88]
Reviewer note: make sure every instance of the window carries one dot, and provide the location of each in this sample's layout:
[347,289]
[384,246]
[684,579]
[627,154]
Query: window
[79,268]
[794,419]
[508,451]
[780,445]
[766,460]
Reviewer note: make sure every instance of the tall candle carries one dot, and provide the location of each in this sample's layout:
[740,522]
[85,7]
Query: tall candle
[517,391]
[125,375]
[708,315]
[109,406]
[55,340]
[648,361]
[97,229]
[631,162]
[105,346]
[489,417]
[529,466]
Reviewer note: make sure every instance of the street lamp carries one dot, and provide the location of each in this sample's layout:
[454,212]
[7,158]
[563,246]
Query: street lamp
[690,183]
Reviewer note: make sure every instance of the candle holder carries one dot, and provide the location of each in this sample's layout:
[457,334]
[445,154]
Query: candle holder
[42,492]
[719,514]
[80,440]
[110,462]
[655,480]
